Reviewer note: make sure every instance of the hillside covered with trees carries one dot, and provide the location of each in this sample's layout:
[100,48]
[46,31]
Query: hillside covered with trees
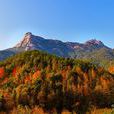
[35,78]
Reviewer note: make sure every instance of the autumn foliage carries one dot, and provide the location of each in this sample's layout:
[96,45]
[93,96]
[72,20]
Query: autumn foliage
[52,83]
[1,72]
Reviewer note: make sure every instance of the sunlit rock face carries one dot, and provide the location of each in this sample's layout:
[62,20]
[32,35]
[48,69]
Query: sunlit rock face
[30,42]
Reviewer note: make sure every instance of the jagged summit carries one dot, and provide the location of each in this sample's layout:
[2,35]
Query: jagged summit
[29,42]
[26,40]
[28,34]
[94,42]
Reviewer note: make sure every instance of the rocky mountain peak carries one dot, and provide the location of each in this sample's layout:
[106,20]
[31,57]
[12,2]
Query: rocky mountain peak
[25,41]
[28,34]
[94,42]
[30,42]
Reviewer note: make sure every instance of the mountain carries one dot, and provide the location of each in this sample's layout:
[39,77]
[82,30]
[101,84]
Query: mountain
[32,42]
[92,49]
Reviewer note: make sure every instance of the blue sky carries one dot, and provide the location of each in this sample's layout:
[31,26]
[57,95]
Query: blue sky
[66,20]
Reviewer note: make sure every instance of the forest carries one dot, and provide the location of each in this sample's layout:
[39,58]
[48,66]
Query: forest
[53,84]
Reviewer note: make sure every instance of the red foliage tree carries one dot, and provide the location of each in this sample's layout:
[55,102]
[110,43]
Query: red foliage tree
[1,72]
[14,72]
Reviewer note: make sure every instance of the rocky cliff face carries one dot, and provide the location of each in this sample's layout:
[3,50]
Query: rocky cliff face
[30,42]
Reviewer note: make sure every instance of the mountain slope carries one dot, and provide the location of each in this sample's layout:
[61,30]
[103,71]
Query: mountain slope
[92,49]
[34,78]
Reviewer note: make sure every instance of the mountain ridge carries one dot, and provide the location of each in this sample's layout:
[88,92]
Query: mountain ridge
[91,49]
[29,37]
